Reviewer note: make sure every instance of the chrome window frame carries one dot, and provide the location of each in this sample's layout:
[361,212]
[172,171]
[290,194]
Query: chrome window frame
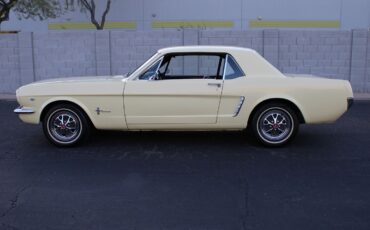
[237,65]
[225,64]
[227,56]
[146,69]
[162,57]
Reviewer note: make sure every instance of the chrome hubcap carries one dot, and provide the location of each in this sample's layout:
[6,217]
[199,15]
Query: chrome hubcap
[64,126]
[275,125]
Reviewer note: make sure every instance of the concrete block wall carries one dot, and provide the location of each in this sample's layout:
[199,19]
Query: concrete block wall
[324,53]
[368,64]
[59,54]
[251,39]
[271,46]
[26,60]
[359,57]
[103,53]
[26,57]
[9,63]
[129,49]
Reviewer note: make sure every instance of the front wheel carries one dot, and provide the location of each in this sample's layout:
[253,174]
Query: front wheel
[275,124]
[65,125]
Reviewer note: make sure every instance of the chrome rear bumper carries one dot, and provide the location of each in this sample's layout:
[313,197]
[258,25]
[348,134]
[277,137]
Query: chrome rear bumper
[22,110]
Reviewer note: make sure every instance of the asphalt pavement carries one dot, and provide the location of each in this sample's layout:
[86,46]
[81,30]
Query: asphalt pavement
[187,180]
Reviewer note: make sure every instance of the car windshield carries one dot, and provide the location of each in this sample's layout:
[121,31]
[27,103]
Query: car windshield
[133,71]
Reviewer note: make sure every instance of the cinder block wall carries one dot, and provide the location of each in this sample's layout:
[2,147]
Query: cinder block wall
[9,63]
[28,57]
[129,49]
[61,54]
[367,76]
[315,52]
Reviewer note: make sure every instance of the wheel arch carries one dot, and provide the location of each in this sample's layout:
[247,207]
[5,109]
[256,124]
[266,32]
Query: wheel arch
[290,103]
[49,104]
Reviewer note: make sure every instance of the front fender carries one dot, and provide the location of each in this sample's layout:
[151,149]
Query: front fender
[39,104]
[66,99]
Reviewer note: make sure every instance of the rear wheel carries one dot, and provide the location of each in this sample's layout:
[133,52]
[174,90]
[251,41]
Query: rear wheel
[65,125]
[275,124]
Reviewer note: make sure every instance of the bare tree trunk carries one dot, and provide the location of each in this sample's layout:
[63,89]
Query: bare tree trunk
[107,8]
[90,6]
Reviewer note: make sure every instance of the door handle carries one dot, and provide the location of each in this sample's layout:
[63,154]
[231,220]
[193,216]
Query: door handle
[215,84]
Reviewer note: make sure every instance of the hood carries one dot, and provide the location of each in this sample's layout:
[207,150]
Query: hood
[102,85]
[81,79]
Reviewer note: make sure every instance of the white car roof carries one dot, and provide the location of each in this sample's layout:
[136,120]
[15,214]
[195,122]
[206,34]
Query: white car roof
[252,63]
[211,49]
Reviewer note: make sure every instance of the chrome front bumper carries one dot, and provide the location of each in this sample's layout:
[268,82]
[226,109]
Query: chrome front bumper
[23,110]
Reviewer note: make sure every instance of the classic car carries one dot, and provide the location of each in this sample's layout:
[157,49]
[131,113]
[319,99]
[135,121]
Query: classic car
[186,88]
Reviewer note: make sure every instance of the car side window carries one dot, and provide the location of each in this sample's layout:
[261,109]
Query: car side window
[232,69]
[192,66]
[151,71]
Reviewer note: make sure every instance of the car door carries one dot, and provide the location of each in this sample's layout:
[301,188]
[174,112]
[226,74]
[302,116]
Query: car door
[177,90]
[237,94]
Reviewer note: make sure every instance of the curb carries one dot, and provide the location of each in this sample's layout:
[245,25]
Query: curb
[362,96]
[7,97]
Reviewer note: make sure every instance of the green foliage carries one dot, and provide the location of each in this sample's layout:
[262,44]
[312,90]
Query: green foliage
[89,7]
[34,9]
[44,9]
[71,5]
[40,9]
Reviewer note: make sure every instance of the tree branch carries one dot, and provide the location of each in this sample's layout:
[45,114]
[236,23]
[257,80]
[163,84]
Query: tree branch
[5,9]
[91,8]
[105,14]
[93,19]
[86,4]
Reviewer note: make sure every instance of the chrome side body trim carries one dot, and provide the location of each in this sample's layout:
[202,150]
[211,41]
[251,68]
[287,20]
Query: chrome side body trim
[239,106]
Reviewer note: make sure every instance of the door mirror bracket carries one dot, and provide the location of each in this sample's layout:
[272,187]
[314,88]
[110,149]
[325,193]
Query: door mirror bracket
[154,77]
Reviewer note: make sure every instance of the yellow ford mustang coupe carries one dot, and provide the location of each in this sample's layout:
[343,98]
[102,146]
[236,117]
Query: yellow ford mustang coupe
[186,88]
